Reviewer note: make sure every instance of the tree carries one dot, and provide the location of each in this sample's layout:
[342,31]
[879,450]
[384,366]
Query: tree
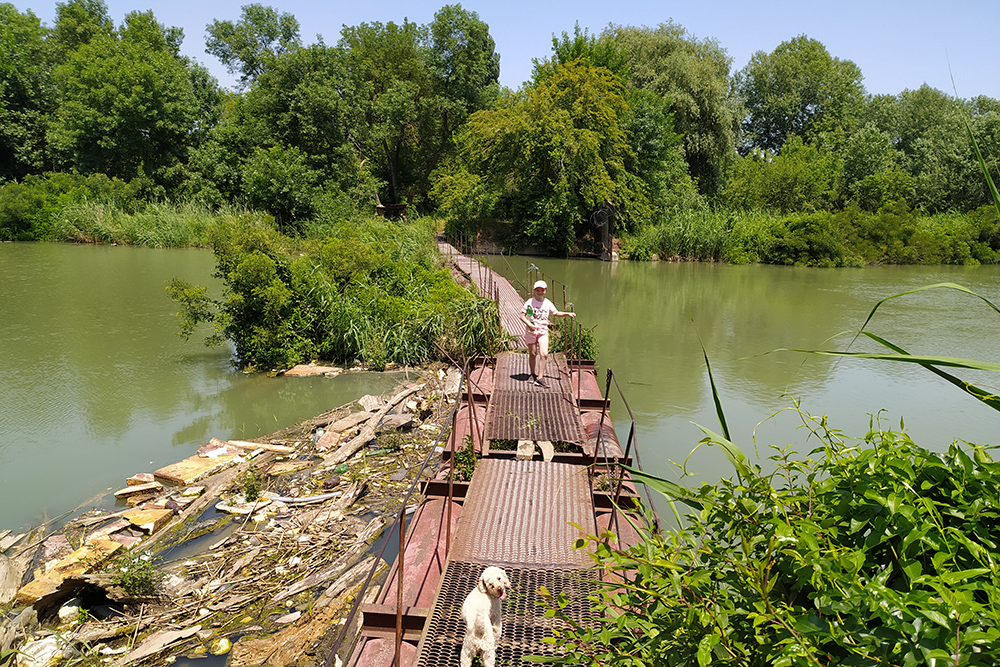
[693,75]
[390,87]
[126,104]
[586,48]
[799,89]
[25,92]
[77,23]
[248,46]
[801,178]
[464,67]
[873,172]
[547,157]
[279,181]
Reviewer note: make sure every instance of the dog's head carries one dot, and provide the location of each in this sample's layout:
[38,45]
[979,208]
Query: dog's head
[494,582]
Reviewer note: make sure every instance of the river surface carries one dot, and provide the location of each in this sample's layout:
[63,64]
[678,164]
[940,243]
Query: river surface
[96,385]
[651,321]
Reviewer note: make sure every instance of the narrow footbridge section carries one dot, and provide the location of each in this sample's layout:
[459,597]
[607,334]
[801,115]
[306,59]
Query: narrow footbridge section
[545,477]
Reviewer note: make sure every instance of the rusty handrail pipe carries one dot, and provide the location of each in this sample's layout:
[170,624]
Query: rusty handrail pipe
[638,460]
[401,521]
[632,438]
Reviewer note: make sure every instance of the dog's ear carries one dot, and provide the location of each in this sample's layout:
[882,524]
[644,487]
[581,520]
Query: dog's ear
[482,583]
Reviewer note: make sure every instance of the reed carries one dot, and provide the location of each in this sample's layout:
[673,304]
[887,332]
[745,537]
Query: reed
[157,225]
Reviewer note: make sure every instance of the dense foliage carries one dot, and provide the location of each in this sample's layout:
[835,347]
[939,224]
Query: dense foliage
[864,553]
[646,132]
[370,292]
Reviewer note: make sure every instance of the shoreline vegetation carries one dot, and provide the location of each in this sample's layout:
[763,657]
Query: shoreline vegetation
[649,133]
[92,210]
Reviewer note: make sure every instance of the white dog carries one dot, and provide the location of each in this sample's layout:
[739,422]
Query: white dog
[481,613]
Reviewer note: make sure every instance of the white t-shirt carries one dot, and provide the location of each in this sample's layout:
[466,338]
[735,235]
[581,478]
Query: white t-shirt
[542,310]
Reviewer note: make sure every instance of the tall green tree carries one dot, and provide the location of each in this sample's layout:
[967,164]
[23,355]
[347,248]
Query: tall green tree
[391,89]
[25,92]
[693,75]
[248,46]
[586,48]
[873,169]
[126,106]
[547,157]
[931,130]
[464,67]
[799,89]
[77,23]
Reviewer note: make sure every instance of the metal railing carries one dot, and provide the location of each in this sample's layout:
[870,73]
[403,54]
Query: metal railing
[630,445]
[400,525]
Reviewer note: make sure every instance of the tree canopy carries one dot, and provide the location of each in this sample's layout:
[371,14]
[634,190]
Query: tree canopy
[799,89]
[248,46]
[648,120]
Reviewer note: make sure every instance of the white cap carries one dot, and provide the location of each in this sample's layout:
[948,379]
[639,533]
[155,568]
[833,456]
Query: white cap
[540,283]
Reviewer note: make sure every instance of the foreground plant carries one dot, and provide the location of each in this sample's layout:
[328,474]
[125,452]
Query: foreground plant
[863,553]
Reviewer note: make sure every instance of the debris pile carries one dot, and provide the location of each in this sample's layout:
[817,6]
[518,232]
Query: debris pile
[257,548]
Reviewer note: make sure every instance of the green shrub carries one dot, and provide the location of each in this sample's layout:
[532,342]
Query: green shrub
[29,210]
[135,573]
[876,552]
[372,290]
[810,240]
[569,336]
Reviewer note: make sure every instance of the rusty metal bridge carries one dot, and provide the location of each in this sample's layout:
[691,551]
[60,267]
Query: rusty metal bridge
[546,477]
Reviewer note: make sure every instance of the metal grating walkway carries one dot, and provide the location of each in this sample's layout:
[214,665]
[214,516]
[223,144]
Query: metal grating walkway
[524,623]
[517,515]
[520,512]
[518,410]
[492,286]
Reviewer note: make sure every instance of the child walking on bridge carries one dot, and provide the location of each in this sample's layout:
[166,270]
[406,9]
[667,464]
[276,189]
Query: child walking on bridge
[535,315]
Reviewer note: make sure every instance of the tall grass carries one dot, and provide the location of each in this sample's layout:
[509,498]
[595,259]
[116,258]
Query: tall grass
[704,235]
[158,225]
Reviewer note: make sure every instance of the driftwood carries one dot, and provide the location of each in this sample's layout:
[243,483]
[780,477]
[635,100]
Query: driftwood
[286,648]
[338,568]
[156,642]
[267,447]
[349,449]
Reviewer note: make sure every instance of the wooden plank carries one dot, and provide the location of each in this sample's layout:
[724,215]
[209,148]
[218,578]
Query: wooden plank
[138,489]
[193,469]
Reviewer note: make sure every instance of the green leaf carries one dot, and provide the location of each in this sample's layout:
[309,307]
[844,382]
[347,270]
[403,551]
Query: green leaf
[935,616]
[732,452]
[670,490]
[705,647]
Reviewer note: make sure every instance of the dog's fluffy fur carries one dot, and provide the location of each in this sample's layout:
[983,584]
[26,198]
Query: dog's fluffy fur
[481,613]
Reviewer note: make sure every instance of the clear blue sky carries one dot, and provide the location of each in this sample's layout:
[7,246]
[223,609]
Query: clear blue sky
[897,44]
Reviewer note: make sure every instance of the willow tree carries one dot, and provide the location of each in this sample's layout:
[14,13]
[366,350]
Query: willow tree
[547,157]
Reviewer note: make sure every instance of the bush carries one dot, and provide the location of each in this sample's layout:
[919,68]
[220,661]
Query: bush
[810,240]
[370,290]
[29,210]
[877,552]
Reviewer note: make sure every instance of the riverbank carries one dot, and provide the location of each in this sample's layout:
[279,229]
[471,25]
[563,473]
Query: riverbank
[269,575]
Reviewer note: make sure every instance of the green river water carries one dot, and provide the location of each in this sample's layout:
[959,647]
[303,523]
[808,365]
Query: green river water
[96,385]
[652,319]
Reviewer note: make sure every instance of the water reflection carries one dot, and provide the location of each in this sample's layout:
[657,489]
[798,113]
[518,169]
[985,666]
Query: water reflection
[652,319]
[97,385]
